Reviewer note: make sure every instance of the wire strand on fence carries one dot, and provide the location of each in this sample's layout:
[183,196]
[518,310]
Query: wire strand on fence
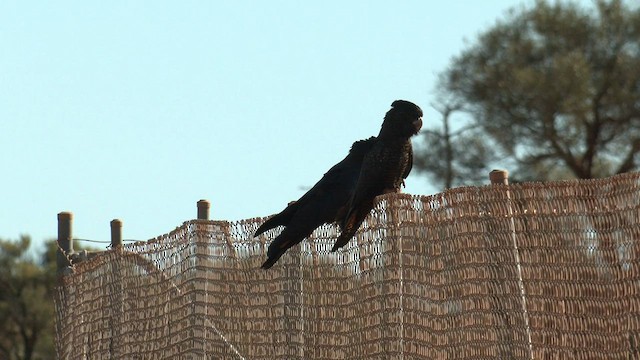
[103,241]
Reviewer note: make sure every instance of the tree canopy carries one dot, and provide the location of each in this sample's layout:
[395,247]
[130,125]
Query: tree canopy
[550,92]
[26,301]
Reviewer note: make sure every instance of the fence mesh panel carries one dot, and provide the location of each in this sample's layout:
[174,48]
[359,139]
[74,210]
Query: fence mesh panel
[534,270]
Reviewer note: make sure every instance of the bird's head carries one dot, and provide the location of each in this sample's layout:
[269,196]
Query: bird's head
[403,120]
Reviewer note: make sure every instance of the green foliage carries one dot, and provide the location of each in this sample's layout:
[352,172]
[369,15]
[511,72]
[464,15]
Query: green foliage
[26,301]
[553,91]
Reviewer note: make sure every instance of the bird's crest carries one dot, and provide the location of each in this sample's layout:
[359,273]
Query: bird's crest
[406,106]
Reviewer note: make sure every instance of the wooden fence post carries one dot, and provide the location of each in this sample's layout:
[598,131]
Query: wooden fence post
[65,239]
[501,177]
[203,209]
[116,233]
[118,295]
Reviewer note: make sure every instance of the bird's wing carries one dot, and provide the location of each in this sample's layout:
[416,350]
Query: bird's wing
[407,170]
[319,205]
[326,191]
[370,183]
[370,180]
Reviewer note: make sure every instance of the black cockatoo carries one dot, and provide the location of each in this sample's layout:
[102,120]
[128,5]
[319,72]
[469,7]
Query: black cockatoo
[385,166]
[325,202]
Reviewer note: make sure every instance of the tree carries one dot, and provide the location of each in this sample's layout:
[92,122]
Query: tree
[26,301]
[553,91]
[456,156]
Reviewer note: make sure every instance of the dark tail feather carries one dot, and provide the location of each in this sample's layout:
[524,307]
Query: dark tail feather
[281,218]
[281,244]
[277,248]
[343,240]
[351,224]
[267,225]
[273,222]
[270,261]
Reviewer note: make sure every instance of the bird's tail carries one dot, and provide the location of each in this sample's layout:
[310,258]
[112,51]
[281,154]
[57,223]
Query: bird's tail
[281,218]
[351,224]
[271,261]
[287,238]
[273,222]
[277,248]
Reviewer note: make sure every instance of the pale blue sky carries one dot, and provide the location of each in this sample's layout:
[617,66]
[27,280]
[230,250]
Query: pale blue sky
[137,109]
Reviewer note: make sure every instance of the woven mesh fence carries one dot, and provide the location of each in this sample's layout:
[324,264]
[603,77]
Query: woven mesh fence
[525,271]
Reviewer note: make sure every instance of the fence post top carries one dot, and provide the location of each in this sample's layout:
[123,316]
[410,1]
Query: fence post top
[65,215]
[203,209]
[499,177]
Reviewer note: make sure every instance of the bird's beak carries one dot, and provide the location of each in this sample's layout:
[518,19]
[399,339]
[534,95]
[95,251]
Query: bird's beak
[417,124]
